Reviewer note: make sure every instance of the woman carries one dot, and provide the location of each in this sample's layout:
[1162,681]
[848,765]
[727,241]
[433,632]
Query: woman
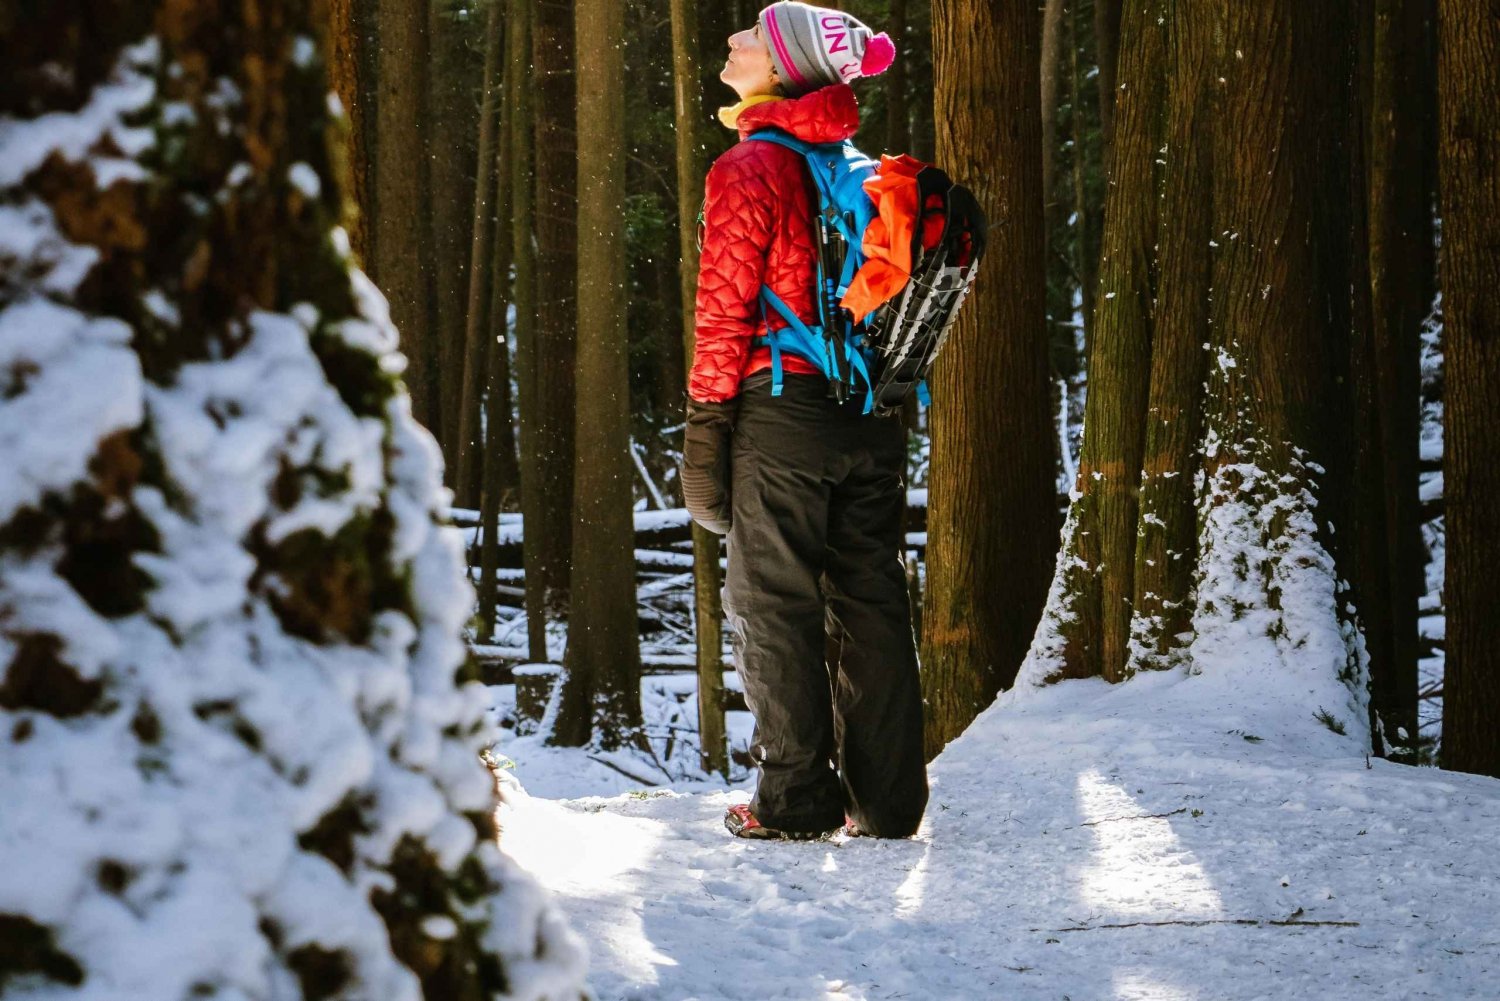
[808,490]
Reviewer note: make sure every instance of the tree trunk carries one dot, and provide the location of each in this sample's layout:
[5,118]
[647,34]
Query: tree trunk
[556,167]
[1167,532]
[708,616]
[919,52]
[992,516]
[1401,182]
[351,69]
[1228,557]
[489,178]
[453,123]
[603,655]
[1051,57]
[1088,164]
[534,498]
[485,355]
[897,111]
[1057,152]
[1103,522]
[500,434]
[1469,159]
[1108,16]
[224,364]
[1280,335]
[401,244]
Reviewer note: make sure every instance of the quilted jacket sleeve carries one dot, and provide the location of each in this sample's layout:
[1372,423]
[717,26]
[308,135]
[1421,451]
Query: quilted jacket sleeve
[739,220]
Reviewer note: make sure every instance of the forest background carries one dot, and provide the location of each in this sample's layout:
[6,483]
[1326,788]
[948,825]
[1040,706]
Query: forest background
[1235,344]
[513,169]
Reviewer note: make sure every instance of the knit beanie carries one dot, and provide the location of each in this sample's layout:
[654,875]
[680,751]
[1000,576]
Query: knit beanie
[813,47]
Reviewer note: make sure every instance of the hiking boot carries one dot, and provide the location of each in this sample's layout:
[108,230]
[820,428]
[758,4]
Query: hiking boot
[742,824]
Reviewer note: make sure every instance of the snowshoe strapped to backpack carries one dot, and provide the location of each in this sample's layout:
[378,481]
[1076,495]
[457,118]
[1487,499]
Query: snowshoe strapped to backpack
[890,350]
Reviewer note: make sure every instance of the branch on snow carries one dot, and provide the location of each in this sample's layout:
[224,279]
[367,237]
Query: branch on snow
[1250,922]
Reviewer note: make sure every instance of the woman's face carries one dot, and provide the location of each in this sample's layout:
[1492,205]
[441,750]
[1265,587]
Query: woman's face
[749,69]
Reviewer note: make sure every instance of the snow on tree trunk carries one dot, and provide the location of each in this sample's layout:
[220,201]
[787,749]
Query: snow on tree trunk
[237,756]
[1234,493]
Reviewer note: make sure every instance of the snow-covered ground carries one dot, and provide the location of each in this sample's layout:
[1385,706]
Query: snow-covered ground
[1175,837]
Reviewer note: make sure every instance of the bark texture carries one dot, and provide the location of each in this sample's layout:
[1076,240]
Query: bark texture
[1469,159]
[1400,149]
[452,132]
[521,14]
[707,576]
[992,519]
[1108,16]
[1166,536]
[1105,514]
[351,71]
[398,233]
[897,111]
[556,180]
[601,691]
[485,230]
[486,368]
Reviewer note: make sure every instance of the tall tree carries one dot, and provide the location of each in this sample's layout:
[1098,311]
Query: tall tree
[1398,90]
[601,689]
[897,105]
[1051,66]
[400,243]
[212,370]
[1057,156]
[1088,160]
[485,234]
[707,578]
[1469,159]
[1104,518]
[351,70]
[1215,547]
[1163,569]
[992,519]
[534,498]
[1108,15]
[452,121]
[487,371]
[556,180]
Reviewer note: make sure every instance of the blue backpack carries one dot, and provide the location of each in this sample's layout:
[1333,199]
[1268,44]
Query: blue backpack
[889,351]
[835,345]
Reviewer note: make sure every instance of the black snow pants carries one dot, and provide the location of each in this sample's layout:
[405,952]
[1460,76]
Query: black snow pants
[817,493]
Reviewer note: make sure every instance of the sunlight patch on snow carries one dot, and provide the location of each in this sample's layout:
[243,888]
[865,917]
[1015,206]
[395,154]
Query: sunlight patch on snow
[589,858]
[592,856]
[1139,867]
[910,893]
[1145,985]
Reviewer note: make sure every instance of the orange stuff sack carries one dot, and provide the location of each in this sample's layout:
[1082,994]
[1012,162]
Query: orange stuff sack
[890,237]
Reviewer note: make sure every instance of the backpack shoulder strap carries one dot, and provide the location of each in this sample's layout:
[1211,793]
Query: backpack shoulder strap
[780,138]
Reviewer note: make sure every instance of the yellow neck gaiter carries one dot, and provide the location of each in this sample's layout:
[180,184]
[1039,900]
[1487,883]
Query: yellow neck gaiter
[730,116]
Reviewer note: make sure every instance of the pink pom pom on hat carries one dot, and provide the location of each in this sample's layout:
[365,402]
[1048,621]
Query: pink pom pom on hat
[814,47]
[880,52]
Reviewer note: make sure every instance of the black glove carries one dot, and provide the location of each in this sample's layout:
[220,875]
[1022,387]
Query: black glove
[705,464]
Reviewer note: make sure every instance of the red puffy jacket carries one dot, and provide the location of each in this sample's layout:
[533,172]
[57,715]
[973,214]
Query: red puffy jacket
[758,216]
